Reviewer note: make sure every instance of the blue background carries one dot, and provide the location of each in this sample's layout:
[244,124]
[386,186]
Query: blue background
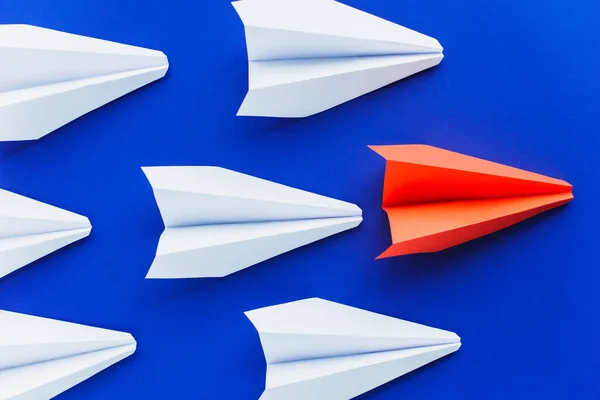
[519,85]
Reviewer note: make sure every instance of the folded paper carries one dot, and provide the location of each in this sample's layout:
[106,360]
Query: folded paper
[49,78]
[316,349]
[41,358]
[307,56]
[219,221]
[30,230]
[436,199]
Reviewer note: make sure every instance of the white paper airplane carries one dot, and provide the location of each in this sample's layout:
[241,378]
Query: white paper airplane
[307,56]
[219,221]
[49,78]
[41,358]
[30,230]
[316,349]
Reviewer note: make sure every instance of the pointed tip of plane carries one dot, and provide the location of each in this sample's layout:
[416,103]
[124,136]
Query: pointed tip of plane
[359,212]
[454,347]
[441,57]
[80,222]
[164,56]
[86,221]
[88,229]
[132,342]
[564,184]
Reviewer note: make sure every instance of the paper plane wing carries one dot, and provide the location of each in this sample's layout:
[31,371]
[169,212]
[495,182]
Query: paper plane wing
[30,230]
[308,56]
[436,199]
[297,29]
[213,251]
[343,378]
[316,349]
[41,358]
[220,221]
[190,196]
[300,88]
[58,77]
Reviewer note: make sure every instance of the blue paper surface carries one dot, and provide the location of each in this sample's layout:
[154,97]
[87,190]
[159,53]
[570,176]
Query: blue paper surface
[519,85]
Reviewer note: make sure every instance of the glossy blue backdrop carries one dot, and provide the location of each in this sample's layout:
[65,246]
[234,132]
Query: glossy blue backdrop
[519,85]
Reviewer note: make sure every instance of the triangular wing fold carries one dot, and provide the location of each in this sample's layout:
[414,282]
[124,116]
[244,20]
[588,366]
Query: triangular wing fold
[20,251]
[220,250]
[57,104]
[296,29]
[419,174]
[30,229]
[438,226]
[26,339]
[342,378]
[33,56]
[20,215]
[188,196]
[300,88]
[48,379]
[316,328]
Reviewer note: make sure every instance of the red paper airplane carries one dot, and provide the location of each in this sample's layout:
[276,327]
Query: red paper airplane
[436,199]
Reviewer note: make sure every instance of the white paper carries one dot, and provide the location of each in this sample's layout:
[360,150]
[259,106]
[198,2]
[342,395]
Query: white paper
[306,56]
[219,221]
[41,358]
[49,78]
[316,349]
[30,230]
